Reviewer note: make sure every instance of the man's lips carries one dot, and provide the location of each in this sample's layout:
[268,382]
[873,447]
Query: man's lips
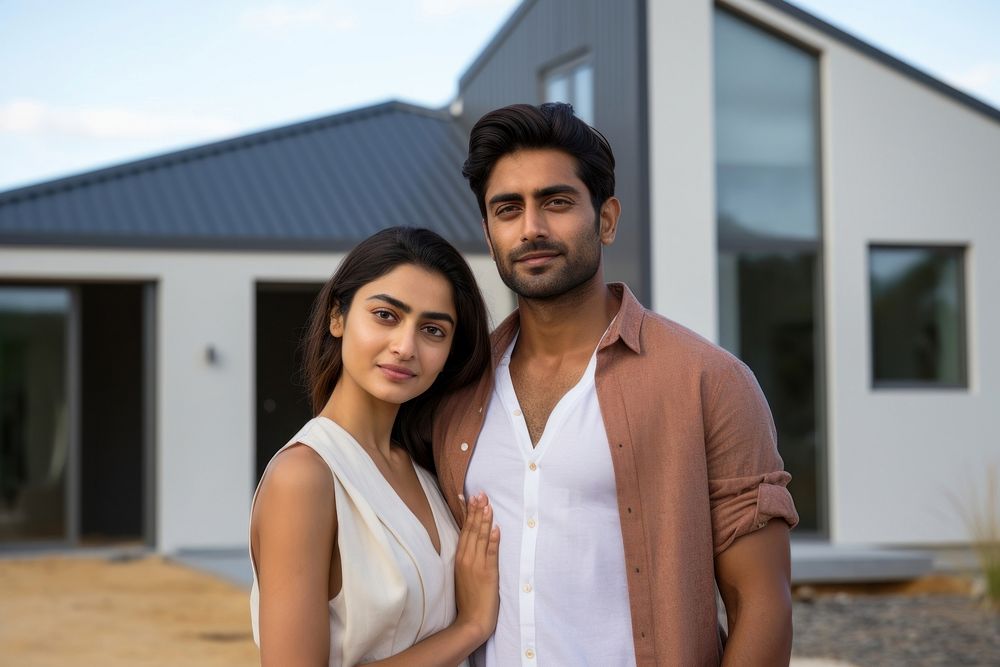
[533,258]
[396,372]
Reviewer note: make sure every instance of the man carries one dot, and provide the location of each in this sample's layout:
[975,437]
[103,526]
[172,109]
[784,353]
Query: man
[630,463]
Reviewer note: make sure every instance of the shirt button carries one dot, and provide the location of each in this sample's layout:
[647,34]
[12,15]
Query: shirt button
[529,654]
[527,588]
[532,466]
[517,413]
[464,446]
[531,523]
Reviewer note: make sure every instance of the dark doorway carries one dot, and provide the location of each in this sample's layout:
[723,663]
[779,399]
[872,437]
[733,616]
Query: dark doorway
[282,397]
[112,399]
[75,410]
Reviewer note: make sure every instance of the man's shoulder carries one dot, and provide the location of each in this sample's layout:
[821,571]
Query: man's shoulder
[663,339]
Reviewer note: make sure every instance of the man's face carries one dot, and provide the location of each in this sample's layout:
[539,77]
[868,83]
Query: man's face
[543,232]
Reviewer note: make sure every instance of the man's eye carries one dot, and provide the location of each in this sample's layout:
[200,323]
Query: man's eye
[506,210]
[560,201]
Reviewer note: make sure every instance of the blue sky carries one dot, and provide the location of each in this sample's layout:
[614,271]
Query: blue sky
[85,85]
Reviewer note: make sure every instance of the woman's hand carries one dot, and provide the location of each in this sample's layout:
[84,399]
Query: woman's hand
[477,578]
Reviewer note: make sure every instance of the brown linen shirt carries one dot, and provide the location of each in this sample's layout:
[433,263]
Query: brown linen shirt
[695,461]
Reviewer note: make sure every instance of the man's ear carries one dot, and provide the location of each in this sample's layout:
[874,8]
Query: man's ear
[489,241]
[336,321]
[611,210]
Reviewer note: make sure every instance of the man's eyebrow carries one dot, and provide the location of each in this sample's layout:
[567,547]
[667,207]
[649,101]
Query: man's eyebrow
[555,190]
[505,197]
[429,315]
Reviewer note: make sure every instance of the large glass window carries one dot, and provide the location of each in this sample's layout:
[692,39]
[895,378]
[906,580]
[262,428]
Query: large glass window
[573,83]
[34,420]
[918,320]
[766,135]
[769,235]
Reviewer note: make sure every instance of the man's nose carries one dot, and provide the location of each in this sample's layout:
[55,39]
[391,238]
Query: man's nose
[534,225]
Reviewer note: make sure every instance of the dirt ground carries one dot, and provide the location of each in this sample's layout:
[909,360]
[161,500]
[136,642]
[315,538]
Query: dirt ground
[144,612]
[149,611]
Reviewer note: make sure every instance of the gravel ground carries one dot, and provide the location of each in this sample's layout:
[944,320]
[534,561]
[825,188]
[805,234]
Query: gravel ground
[903,630]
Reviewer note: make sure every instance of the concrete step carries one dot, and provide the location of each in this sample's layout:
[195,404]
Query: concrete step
[822,562]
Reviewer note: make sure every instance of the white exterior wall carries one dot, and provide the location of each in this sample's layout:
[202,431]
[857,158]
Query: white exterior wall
[205,445]
[682,164]
[902,163]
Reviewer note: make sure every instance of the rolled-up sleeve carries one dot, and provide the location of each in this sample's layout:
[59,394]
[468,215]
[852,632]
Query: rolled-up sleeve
[747,480]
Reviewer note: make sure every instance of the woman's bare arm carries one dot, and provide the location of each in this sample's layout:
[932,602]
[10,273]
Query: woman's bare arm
[293,528]
[294,533]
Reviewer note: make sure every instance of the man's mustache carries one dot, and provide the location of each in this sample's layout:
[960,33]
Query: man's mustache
[536,246]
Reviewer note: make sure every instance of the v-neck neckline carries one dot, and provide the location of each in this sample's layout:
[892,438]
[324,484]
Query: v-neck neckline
[558,415]
[434,514]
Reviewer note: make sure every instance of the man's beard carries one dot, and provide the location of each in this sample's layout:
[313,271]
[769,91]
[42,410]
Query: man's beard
[550,282]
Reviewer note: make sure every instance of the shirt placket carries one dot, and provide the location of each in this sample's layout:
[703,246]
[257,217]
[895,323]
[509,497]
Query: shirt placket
[529,538]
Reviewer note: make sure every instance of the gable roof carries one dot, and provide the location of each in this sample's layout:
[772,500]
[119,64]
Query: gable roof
[322,184]
[788,8]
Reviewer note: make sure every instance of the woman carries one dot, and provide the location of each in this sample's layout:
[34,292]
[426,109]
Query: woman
[352,546]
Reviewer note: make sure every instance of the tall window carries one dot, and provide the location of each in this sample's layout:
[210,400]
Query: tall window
[769,238]
[918,316]
[571,82]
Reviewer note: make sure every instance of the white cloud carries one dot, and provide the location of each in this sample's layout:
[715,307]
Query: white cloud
[281,17]
[26,116]
[448,7]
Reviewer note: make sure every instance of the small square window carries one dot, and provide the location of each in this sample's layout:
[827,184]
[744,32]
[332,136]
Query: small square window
[572,82]
[918,316]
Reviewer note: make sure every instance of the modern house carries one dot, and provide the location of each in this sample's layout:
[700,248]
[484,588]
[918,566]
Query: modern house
[819,208]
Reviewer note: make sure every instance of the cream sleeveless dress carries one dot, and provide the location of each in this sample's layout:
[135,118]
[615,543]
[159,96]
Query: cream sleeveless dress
[396,589]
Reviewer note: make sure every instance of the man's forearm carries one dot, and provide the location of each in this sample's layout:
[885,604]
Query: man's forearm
[760,632]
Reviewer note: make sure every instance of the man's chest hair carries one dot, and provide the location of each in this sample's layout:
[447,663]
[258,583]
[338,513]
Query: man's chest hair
[539,387]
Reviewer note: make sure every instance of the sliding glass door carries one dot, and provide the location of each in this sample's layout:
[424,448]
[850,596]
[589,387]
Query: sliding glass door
[35,414]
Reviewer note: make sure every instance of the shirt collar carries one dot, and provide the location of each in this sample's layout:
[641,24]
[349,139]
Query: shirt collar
[628,322]
[625,327]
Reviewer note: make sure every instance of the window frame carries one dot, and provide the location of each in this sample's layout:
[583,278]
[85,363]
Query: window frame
[567,67]
[960,251]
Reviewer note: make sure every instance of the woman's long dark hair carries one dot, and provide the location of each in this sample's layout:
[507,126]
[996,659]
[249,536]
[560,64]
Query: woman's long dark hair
[371,259]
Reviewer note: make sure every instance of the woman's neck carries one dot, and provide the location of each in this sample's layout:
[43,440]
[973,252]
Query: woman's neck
[368,419]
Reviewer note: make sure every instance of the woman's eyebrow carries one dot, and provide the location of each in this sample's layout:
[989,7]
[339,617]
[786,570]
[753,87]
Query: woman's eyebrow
[429,315]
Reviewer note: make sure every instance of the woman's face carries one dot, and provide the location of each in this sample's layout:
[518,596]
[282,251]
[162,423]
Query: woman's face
[398,333]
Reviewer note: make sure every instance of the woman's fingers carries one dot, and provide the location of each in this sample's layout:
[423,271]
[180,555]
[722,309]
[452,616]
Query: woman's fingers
[466,539]
[485,523]
[493,546]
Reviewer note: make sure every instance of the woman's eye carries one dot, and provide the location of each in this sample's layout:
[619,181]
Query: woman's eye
[435,331]
[385,315]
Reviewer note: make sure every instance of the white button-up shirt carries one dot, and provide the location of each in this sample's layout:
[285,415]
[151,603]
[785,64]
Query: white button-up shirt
[563,590]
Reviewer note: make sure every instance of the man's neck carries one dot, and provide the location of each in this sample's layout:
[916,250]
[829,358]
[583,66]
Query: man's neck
[567,324]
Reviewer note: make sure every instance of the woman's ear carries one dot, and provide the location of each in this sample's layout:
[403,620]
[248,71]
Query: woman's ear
[336,321]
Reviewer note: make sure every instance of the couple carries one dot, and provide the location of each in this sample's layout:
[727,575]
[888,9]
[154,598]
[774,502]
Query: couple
[607,466]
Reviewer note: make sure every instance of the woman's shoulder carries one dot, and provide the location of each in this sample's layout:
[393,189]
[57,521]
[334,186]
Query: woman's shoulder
[295,472]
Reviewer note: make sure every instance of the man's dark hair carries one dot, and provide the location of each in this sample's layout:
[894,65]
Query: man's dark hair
[551,125]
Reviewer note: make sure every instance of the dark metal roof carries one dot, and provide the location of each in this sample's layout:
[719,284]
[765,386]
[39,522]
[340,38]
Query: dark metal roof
[322,184]
[792,10]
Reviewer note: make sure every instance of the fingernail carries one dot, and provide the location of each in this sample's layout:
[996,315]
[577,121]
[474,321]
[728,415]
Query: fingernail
[461,497]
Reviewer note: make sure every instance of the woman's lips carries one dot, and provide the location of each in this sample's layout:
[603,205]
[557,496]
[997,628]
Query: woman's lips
[396,373]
